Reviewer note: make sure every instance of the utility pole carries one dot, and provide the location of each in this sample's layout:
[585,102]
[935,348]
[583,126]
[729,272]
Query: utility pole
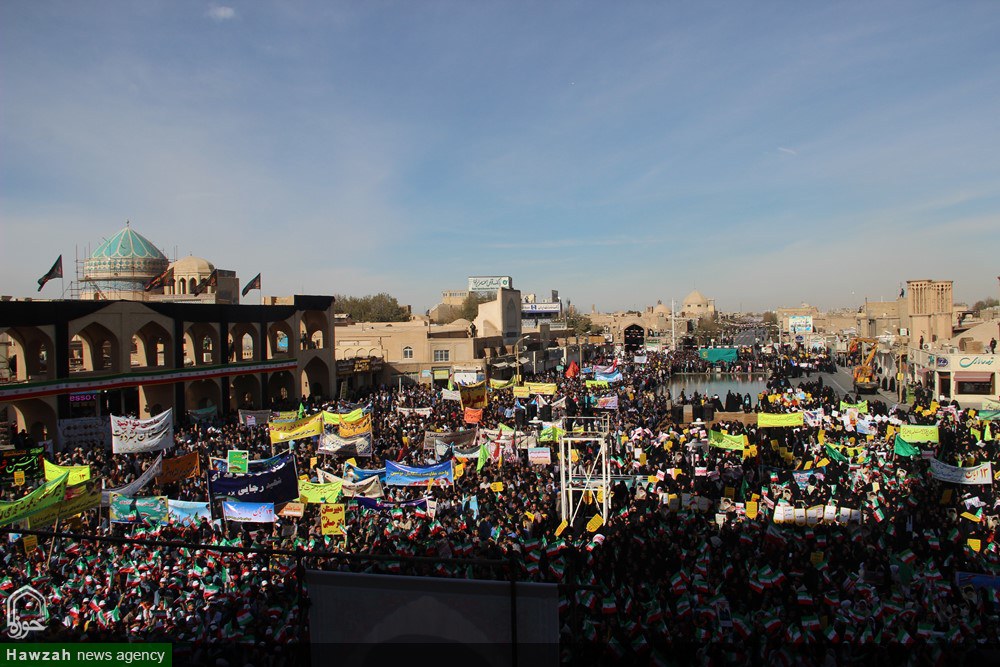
[673,331]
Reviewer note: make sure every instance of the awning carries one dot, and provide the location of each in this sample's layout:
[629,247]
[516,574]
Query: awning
[966,376]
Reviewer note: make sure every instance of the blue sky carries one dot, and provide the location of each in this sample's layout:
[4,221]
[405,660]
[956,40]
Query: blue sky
[765,153]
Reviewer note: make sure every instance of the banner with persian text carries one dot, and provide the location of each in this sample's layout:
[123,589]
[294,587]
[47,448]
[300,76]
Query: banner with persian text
[129,435]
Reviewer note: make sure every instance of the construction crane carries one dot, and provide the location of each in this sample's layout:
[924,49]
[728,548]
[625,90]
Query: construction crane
[864,372]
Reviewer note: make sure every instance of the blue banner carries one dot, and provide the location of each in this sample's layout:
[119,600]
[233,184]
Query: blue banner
[608,377]
[382,505]
[256,465]
[400,475]
[356,474]
[186,511]
[248,512]
[278,484]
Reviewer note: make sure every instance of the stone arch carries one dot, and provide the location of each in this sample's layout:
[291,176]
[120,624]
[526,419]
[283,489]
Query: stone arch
[273,331]
[31,355]
[100,348]
[281,388]
[202,393]
[316,379]
[201,345]
[244,392]
[37,417]
[313,327]
[182,286]
[244,345]
[154,345]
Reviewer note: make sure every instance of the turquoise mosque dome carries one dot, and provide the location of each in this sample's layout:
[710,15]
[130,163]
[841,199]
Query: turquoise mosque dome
[124,263]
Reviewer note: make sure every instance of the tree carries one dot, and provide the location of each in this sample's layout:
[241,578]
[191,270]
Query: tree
[470,306]
[770,317]
[372,308]
[579,324]
[983,304]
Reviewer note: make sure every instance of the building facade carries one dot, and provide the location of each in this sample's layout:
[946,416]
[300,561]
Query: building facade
[131,357]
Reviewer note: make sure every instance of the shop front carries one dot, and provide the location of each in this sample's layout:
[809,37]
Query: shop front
[968,378]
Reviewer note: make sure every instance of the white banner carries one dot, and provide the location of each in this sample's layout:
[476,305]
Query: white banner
[132,488]
[368,488]
[248,512]
[981,474]
[254,417]
[451,395]
[142,435]
[423,412]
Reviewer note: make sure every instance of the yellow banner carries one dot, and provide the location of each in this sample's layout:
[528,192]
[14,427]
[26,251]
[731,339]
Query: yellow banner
[501,384]
[77,474]
[46,495]
[768,420]
[332,519]
[310,492]
[595,522]
[544,388]
[355,428]
[297,430]
[78,499]
[337,419]
[918,433]
[473,395]
[521,392]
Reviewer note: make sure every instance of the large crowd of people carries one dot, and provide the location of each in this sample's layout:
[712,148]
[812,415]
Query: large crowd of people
[823,542]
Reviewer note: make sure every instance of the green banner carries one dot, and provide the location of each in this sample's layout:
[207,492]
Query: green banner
[311,492]
[836,455]
[918,433]
[151,511]
[903,448]
[769,420]
[716,354]
[727,441]
[550,434]
[988,415]
[597,384]
[46,495]
[238,461]
[86,655]
[861,407]
[501,384]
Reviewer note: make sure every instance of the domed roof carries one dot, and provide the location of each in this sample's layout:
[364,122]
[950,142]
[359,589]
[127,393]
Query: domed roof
[127,244]
[192,265]
[660,309]
[461,322]
[695,298]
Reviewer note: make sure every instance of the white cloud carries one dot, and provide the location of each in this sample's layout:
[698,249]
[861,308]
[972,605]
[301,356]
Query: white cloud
[221,13]
[787,150]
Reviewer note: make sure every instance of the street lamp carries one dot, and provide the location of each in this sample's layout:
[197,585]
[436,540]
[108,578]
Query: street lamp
[517,359]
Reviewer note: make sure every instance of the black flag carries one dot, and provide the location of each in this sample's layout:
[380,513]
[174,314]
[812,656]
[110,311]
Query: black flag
[253,284]
[54,272]
[160,280]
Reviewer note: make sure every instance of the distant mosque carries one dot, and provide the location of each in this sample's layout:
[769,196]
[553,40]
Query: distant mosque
[129,267]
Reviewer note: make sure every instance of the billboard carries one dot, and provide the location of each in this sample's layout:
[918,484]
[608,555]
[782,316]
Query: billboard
[535,308]
[489,283]
[800,324]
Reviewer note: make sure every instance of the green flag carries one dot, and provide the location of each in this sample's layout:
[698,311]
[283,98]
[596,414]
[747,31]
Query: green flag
[903,448]
[482,458]
[302,411]
[836,455]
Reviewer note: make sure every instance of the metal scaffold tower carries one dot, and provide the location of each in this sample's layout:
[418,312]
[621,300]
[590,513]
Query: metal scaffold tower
[592,475]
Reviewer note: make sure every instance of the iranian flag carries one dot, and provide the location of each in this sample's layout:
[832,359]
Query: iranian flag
[243,618]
